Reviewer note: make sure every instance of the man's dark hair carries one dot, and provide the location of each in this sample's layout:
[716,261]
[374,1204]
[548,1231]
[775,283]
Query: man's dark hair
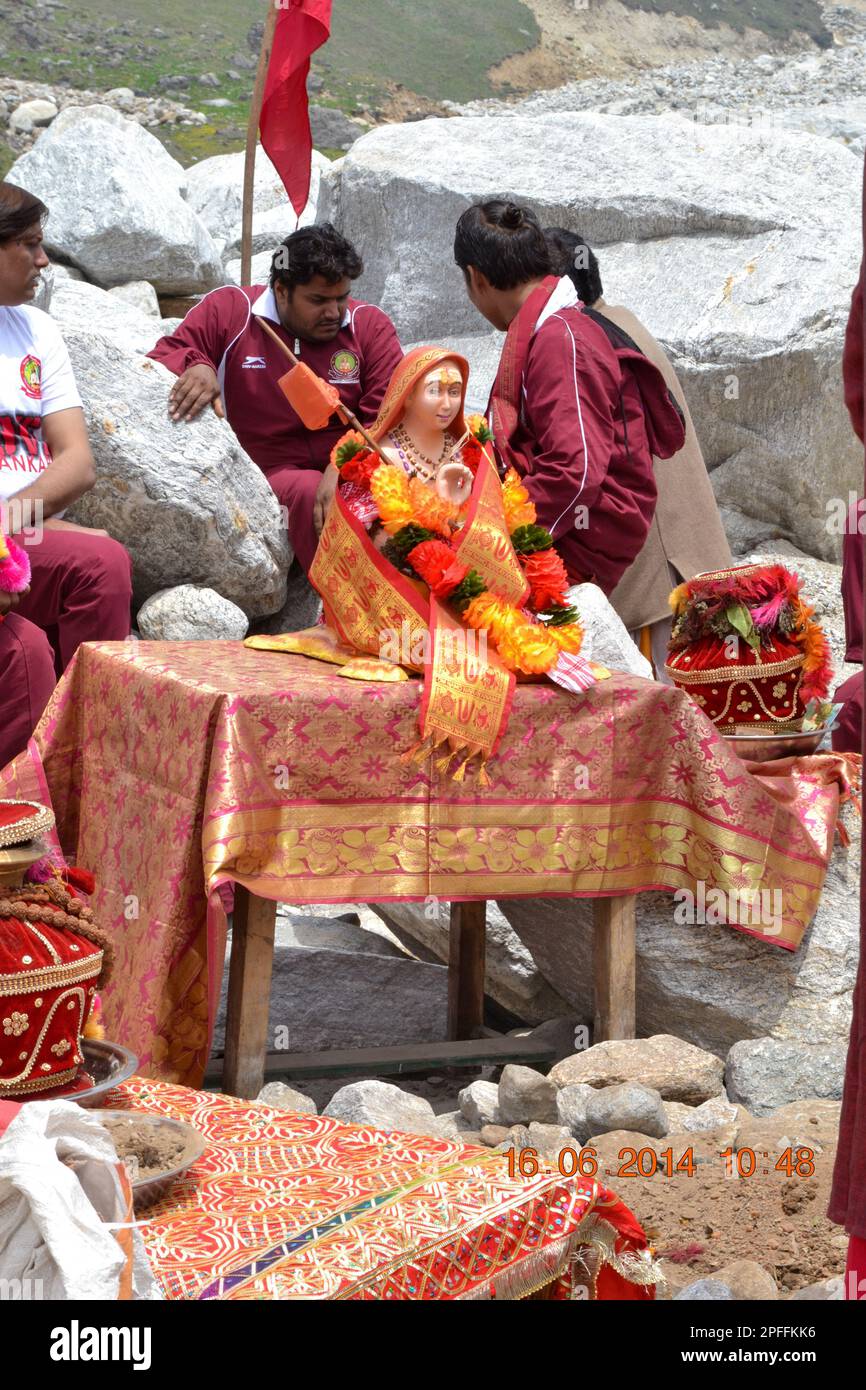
[575,257]
[19,211]
[504,242]
[318,250]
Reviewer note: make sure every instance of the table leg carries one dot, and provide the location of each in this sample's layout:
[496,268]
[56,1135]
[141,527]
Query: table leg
[250,969]
[614,963]
[467,950]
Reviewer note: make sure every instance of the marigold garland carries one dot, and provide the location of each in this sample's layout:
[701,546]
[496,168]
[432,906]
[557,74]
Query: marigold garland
[420,524]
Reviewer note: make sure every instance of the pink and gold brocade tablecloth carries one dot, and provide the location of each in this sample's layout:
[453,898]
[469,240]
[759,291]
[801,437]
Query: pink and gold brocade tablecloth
[284,1206]
[174,768]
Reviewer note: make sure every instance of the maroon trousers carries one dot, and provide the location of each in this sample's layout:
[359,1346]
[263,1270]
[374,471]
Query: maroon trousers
[26,682]
[80,590]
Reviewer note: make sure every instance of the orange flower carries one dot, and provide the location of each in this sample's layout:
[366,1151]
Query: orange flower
[568,638]
[390,488]
[429,509]
[526,646]
[548,580]
[519,511]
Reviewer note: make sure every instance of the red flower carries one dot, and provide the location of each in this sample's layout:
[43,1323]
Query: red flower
[361,468]
[470,454]
[548,580]
[436,563]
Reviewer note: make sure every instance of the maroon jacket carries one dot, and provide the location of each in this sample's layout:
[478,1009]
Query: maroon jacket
[222,332]
[592,418]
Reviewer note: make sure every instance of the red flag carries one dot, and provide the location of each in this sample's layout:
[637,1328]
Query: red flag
[302,27]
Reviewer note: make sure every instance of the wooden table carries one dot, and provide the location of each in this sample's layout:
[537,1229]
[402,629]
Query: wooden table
[247,1061]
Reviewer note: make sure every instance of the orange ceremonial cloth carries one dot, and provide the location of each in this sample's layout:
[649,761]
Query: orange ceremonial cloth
[177,767]
[287,1206]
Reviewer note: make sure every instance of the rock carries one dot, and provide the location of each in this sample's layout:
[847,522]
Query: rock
[760,263]
[713,985]
[45,289]
[804,1123]
[339,985]
[549,1140]
[748,1281]
[479,1103]
[32,114]
[494,1135]
[77,305]
[282,1097]
[606,638]
[209,79]
[453,1125]
[301,608]
[676,1069]
[381,1105]
[260,268]
[121,97]
[332,130]
[526,1095]
[704,1290]
[744,533]
[191,614]
[827,1291]
[626,1106]
[113,192]
[571,1103]
[189,505]
[764,1073]
[512,977]
[214,191]
[141,295]
[562,1035]
[518,1138]
[692,1119]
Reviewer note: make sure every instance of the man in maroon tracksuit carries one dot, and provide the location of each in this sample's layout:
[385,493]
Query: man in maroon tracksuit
[223,357]
[579,417]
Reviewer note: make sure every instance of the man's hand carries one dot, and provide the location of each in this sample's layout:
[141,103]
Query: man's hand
[8,601]
[192,392]
[325,496]
[57,523]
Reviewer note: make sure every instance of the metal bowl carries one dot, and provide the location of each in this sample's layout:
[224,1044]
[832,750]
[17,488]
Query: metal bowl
[107,1064]
[760,748]
[147,1191]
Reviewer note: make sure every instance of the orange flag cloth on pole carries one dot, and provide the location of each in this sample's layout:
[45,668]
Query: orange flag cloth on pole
[302,27]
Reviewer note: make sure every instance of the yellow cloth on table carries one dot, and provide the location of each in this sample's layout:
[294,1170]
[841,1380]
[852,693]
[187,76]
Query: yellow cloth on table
[323,645]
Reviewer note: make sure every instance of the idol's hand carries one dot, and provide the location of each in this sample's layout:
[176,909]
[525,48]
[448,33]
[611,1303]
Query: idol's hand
[454,483]
[197,388]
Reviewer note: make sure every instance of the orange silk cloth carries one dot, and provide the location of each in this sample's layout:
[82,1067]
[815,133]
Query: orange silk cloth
[468,692]
[174,768]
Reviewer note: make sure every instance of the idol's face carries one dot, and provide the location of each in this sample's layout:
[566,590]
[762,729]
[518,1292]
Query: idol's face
[22,260]
[435,402]
[314,311]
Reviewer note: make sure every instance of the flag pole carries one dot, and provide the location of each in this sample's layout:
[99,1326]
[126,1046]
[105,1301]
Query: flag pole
[252,141]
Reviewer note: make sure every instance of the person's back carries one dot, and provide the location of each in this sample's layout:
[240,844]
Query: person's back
[567,409]
[686,536]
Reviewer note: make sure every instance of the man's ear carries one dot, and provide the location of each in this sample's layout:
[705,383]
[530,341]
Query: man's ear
[477,281]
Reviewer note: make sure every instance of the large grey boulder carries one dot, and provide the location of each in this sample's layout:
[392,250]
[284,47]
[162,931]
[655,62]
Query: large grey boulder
[668,1065]
[628,1105]
[765,1073]
[512,976]
[737,247]
[383,1106]
[526,1095]
[80,306]
[337,985]
[140,294]
[189,505]
[606,638]
[114,194]
[214,191]
[714,985]
[191,614]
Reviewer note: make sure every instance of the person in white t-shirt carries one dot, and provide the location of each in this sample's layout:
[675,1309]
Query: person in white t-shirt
[80,588]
